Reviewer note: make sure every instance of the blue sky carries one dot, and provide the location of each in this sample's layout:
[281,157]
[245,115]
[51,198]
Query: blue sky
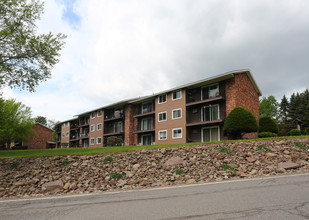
[123,49]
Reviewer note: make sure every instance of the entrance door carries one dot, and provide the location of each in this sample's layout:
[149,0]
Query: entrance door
[86,143]
[146,139]
[210,134]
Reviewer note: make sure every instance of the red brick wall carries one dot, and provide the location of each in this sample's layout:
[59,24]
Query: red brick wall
[96,133]
[129,125]
[241,93]
[39,139]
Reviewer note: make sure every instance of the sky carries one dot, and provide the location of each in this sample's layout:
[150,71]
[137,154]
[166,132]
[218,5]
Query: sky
[125,48]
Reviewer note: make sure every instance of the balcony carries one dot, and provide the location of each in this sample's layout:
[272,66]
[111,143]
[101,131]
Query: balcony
[74,126]
[74,137]
[190,124]
[112,133]
[82,136]
[192,101]
[115,116]
[84,123]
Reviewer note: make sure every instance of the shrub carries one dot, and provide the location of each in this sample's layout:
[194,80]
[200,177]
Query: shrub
[228,167]
[225,150]
[304,132]
[114,141]
[266,134]
[295,132]
[14,165]
[62,163]
[238,121]
[297,144]
[263,147]
[179,171]
[108,159]
[267,124]
[116,176]
[19,147]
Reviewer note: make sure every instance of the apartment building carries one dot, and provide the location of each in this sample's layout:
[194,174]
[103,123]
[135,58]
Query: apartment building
[194,112]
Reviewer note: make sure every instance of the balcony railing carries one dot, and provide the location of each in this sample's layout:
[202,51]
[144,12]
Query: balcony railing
[113,116]
[84,122]
[84,135]
[74,126]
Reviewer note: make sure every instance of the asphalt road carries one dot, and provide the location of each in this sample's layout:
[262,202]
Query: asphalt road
[285,197]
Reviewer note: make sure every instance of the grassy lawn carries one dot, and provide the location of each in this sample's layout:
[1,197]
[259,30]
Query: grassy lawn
[110,150]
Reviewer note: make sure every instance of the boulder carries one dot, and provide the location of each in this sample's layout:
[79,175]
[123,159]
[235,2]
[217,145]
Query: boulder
[288,165]
[53,185]
[174,161]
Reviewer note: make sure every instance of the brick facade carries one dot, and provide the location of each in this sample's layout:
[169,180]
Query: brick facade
[129,126]
[39,139]
[96,121]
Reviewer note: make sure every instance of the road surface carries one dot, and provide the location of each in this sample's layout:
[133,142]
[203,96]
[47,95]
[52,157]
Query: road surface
[285,197]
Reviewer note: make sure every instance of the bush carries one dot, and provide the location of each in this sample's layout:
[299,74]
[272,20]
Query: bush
[263,147]
[301,146]
[225,150]
[304,132]
[19,147]
[239,121]
[226,167]
[266,134]
[179,171]
[267,124]
[114,141]
[108,159]
[116,176]
[295,132]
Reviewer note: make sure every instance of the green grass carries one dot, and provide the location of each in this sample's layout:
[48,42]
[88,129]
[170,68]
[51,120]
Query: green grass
[112,150]
[297,144]
[263,147]
[225,150]
[179,171]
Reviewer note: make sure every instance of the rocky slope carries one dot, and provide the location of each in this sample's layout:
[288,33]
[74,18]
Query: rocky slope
[23,177]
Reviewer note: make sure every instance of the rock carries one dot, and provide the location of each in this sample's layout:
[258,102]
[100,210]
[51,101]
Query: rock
[280,170]
[53,185]
[194,151]
[288,165]
[163,150]
[75,164]
[19,183]
[84,164]
[190,181]
[66,186]
[268,155]
[251,159]
[112,182]
[220,156]
[121,183]
[1,188]
[136,166]
[174,161]
[253,172]
[294,157]
[286,152]
[73,186]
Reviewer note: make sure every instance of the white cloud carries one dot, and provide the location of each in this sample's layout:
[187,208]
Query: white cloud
[124,49]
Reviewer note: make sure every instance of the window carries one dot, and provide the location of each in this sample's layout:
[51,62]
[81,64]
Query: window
[177,113]
[92,114]
[210,134]
[146,124]
[92,128]
[147,107]
[99,127]
[118,127]
[67,124]
[162,99]
[162,135]
[176,95]
[67,134]
[210,113]
[99,140]
[162,116]
[177,133]
[146,139]
[91,141]
[63,125]
[99,113]
[62,134]
[211,91]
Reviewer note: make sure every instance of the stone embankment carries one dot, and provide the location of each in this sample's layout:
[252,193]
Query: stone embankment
[24,177]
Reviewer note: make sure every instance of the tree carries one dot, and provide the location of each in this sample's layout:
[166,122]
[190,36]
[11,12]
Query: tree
[41,119]
[267,124]
[26,58]
[16,122]
[239,121]
[269,107]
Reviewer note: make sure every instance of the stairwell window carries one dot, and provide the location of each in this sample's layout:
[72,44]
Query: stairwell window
[162,99]
[162,135]
[176,95]
[210,113]
[92,128]
[99,113]
[92,115]
[177,133]
[99,126]
[91,141]
[177,113]
[162,116]
[99,140]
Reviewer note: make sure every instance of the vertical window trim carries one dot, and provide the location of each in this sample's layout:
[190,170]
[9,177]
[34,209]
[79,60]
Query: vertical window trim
[180,94]
[159,116]
[173,133]
[159,135]
[91,141]
[208,107]
[176,110]
[165,98]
